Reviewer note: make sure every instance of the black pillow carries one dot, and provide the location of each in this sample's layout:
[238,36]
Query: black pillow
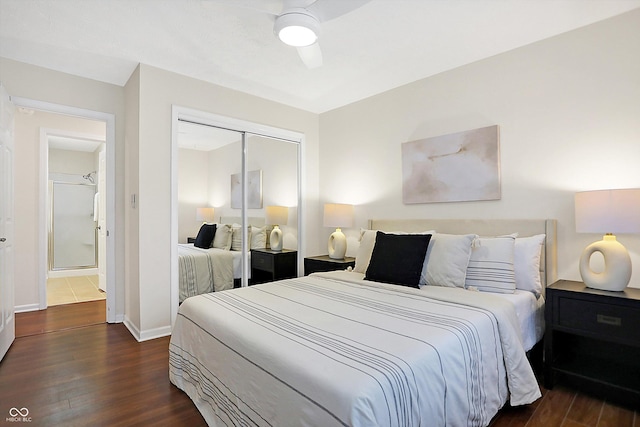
[205,236]
[398,258]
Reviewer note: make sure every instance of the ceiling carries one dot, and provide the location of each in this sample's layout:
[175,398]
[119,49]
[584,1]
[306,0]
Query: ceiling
[379,46]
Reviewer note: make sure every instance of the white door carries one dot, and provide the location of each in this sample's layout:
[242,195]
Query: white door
[102,223]
[7,324]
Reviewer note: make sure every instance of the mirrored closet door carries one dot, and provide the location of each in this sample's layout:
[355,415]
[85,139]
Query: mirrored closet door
[230,184]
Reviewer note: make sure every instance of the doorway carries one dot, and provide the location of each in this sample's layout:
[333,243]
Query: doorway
[60,114]
[75,213]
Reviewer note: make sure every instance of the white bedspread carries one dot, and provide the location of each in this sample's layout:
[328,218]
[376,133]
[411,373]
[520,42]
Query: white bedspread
[320,351]
[204,270]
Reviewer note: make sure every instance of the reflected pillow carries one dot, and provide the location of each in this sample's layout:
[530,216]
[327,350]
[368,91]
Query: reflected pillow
[205,236]
[236,238]
[258,237]
[222,239]
[398,258]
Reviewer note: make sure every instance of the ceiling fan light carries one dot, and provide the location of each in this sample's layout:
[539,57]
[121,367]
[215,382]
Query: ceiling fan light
[297,29]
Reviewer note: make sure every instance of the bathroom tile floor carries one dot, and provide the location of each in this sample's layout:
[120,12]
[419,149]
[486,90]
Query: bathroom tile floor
[67,290]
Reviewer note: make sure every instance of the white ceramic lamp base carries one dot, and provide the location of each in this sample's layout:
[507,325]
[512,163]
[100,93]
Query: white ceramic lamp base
[275,239]
[617,265]
[337,244]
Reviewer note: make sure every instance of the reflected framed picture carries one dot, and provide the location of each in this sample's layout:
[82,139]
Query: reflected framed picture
[254,190]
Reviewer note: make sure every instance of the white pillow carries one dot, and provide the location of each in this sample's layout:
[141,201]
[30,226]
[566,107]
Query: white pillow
[222,239]
[363,255]
[491,265]
[526,263]
[236,237]
[447,259]
[258,237]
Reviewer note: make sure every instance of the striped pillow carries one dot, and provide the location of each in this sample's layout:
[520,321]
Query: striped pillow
[490,267]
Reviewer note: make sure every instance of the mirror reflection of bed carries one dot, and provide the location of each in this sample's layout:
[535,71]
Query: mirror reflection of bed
[209,159]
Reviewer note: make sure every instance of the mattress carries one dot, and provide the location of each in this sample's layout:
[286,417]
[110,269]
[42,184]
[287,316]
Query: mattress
[332,349]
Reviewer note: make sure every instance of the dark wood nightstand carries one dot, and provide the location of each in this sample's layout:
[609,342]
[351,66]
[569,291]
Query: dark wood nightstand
[191,239]
[592,340]
[268,265]
[316,264]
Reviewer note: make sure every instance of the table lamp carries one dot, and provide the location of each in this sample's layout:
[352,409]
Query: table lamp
[205,214]
[607,211]
[338,215]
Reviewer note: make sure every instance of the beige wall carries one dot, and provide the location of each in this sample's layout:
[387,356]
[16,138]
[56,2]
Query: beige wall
[569,115]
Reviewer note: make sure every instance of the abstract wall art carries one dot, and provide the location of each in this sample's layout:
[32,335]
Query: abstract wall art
[458,167]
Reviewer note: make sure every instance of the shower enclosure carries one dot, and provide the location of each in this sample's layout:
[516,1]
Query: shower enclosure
[72,230]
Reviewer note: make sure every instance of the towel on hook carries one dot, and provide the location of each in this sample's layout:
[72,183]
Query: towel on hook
[95,206]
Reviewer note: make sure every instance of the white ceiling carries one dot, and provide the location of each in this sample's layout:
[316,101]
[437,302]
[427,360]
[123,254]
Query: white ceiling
[382,45]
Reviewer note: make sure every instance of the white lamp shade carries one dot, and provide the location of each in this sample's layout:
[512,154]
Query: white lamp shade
[205,214]
[607,211]
[277,215]
[338,215]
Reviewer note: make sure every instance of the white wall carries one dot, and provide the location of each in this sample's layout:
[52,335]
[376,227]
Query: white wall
[72,162]
[193,190]
[569,115]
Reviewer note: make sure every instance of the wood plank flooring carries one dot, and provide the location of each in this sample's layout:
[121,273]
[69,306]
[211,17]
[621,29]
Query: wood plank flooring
[68,368]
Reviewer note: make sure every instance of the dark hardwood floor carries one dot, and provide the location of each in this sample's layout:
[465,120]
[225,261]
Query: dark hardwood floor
[69,368]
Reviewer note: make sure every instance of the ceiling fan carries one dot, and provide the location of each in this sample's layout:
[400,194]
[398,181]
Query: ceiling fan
[299,22]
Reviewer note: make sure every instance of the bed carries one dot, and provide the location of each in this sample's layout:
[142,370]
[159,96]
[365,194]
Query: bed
[214,269]
[340,348]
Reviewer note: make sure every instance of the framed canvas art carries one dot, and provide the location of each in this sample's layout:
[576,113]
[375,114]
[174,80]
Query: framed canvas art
[458,167]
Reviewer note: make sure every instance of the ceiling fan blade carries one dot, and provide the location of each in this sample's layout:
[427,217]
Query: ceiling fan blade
[311,55]
[326,10]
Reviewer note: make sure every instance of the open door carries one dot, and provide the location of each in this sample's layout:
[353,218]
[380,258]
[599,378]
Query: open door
[7,323]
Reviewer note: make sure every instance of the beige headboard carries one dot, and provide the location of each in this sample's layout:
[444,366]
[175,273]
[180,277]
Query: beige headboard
[487,227]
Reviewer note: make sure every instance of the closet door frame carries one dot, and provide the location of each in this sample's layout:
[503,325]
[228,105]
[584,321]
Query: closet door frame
[246,128]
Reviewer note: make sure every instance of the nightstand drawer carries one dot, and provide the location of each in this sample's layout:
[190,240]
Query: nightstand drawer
[261,261]
[610,321]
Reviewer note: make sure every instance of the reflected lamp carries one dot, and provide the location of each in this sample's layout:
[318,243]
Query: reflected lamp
[610,212]
[276,215]
[338,215]
[205,214]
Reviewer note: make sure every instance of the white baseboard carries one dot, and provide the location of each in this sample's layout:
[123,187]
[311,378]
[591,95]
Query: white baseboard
[146,335]
[26,307]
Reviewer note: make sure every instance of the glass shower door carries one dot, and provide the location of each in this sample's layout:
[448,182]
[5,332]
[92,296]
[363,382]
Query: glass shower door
[73,227]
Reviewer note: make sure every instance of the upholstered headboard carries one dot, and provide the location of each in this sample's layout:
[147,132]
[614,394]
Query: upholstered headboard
[255,221]
[487,227]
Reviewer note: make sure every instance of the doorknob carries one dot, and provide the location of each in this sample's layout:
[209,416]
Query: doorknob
[3,239]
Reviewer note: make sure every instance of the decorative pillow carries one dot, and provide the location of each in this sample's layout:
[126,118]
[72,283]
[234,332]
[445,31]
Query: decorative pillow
[447,260]
[236,237]
[526,263]
[367,242]
[258,237]
[398,258]
[222,239]
[491,265]
[204,239]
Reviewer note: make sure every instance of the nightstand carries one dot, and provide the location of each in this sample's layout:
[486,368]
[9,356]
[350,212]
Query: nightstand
[191,239]
[592,340]
[268,265]
[316,264]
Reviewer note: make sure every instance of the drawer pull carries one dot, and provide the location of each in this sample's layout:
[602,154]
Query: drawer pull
[609,320]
